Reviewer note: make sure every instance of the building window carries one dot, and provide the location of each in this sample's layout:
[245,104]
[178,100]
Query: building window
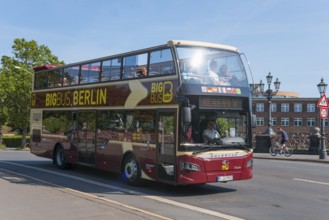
[285,107]
[259,107]
[298,107]
[260,121]
[310,107]
[311,122]
[274,122]
[273,107]
[284,121]
[326,122]
[298,122]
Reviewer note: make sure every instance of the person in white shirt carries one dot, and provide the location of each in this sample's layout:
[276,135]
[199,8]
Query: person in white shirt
[213,69]
[210,133]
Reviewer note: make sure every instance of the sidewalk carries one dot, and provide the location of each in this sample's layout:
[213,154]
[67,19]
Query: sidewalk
[294,157]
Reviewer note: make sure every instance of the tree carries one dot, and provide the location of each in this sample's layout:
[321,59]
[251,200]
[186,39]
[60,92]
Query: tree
[15,82]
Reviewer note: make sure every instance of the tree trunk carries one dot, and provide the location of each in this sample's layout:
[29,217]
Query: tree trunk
[24,131]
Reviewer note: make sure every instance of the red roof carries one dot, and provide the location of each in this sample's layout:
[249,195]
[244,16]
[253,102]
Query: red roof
[45,67]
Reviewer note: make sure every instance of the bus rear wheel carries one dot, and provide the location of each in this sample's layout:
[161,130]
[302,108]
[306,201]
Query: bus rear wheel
[131,172]
[59,158]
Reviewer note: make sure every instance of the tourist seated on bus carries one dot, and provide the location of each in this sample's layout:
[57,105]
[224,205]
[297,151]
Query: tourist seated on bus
[224,76]
[142,72]
[212,73]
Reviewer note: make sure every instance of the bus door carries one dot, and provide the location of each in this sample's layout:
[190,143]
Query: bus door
[86,137]
[166,151]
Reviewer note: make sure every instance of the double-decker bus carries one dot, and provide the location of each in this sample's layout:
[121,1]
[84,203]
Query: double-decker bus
[143,114]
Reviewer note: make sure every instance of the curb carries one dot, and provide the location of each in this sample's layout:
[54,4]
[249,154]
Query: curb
[291,158]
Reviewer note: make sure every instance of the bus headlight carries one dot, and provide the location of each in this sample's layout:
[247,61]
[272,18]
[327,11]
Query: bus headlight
[189,166]
[250,163]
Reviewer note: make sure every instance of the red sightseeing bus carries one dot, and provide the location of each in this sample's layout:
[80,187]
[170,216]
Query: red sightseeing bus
[143,114]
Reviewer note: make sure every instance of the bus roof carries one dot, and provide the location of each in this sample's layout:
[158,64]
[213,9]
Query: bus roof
[201,44]
[45,67]
[170,43]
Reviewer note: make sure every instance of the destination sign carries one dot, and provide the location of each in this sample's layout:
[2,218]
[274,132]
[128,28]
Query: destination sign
[212,102]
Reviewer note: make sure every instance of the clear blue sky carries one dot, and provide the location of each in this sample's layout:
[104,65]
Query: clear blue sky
[289,38]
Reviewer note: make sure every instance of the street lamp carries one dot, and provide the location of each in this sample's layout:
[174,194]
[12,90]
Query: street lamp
[269,93]
[322,87]
[20,68]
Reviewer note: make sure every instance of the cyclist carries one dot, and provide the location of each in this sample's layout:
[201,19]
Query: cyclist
[284,138]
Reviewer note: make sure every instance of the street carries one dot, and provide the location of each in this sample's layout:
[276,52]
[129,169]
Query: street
[32,188]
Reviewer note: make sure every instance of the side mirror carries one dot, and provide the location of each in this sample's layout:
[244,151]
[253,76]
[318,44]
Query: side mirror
[253,121]
[187,117]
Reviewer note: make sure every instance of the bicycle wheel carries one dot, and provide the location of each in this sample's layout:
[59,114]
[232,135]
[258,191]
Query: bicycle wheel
[273,151]
[287,152]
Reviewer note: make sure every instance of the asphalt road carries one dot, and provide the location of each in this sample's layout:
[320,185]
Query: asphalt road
[32,188]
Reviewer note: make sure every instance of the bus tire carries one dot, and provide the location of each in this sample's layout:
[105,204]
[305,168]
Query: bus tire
[59,158]
[131,172]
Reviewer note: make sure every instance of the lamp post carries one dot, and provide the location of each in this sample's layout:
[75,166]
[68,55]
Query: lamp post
[322,87]
[269,93]
[20,68]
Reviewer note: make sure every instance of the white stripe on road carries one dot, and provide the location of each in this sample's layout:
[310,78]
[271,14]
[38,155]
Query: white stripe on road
[156,198]
[311,181]
[90,195]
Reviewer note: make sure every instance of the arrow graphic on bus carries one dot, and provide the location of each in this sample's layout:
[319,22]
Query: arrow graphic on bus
[137,93]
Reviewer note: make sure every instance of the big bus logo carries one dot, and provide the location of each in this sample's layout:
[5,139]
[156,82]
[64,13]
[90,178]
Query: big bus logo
[161,92]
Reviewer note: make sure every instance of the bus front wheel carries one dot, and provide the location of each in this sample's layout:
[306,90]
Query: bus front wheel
[131,172]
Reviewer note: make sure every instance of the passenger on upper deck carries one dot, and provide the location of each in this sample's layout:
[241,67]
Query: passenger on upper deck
[224,76]
[142,72]
[212,73]
[189,76]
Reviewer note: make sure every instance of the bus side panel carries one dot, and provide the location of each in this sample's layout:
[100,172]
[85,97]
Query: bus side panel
[146,155]
[109,157]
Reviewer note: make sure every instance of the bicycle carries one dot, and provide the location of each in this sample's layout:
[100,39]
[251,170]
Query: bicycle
[276,148]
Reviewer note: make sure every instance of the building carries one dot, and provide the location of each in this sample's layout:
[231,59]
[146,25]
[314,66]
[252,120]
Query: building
[295,115]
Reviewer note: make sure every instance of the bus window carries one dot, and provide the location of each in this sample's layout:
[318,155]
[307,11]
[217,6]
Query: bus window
[90,73]
[111,70]
[133,65]
[58,124]
[161,62]
[55,78]
[41,80]
[72,75]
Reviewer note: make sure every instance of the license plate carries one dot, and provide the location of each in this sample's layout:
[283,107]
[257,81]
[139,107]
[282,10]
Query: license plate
[224,178]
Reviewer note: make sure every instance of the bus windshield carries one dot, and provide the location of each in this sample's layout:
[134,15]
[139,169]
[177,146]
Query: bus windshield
[231,128]
[211,67]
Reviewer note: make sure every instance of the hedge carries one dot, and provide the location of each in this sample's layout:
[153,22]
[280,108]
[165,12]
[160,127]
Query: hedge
[13,141]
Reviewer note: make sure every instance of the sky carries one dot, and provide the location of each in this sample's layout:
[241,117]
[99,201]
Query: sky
[289,38]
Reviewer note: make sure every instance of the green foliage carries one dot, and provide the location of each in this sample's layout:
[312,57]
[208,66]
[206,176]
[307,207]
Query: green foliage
[58,124]
[15,81]
[223,125]
[13,141]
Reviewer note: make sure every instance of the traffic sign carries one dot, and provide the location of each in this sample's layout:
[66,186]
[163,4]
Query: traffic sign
[323,112]
[323,101]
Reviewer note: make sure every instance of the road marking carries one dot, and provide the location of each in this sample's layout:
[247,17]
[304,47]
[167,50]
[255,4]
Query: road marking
[311,181]
[156,198]
[90,195]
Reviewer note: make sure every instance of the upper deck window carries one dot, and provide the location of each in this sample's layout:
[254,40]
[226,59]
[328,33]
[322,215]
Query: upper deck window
[71,75]
[55,78]
[161,62]
[134,65]
[111,70]
[41,80]
[211,66]
[90,73]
